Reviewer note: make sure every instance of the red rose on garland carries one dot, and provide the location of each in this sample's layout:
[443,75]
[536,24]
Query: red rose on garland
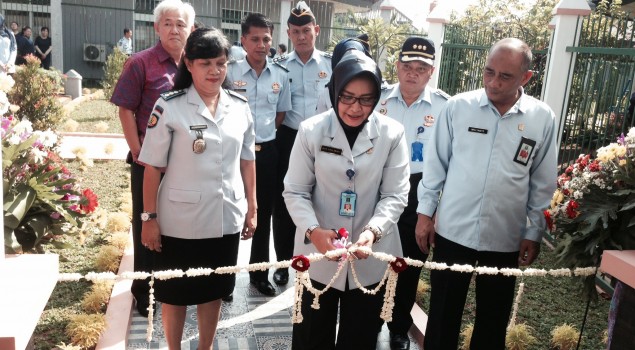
[399,265]
[300,263]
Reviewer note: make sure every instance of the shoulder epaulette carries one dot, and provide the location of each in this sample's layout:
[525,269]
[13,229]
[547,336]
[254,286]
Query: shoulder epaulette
[168,95]
[280,66]
[327,54]
[235,94]
[280,58]
[442,94]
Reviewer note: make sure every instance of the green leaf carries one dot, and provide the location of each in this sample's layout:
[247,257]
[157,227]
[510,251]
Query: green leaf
[11,245]
[16,205]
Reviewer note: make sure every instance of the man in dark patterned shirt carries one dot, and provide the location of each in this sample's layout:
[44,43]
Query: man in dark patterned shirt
[145,76]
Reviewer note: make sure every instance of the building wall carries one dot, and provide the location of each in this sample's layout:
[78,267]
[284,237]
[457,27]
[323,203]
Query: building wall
[101,23]
[98,22]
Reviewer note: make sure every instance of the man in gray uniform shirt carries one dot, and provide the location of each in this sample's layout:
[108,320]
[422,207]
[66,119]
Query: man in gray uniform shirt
[493,154]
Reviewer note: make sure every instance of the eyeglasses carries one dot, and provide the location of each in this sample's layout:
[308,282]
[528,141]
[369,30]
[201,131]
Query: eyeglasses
[408,68]
[364,101]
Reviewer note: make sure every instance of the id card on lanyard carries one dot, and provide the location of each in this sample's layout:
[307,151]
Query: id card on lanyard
[347,203]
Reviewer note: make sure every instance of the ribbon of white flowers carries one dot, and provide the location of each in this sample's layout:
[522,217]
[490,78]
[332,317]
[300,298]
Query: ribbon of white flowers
[306,281]
[430,265]
[512,321]
[303,280]
[389,296]
[150,311]
[296,315]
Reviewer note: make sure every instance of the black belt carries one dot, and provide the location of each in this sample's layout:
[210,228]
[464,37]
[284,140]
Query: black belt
[264,145]
[287,128]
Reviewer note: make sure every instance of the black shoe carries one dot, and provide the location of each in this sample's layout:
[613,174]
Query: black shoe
[281,277]
[228,298]
[142,307]
[399,342]
[264,287]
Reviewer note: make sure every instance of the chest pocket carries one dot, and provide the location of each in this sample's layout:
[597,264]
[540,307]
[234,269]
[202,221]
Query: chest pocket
[272,97]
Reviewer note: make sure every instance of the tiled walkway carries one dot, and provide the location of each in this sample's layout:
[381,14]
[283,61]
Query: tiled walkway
[250,322]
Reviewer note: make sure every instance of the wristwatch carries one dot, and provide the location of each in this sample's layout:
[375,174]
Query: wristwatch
[307,234]
[146,216]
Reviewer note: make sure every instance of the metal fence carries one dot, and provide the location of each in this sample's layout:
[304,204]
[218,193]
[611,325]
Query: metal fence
[465,52]
[602,79]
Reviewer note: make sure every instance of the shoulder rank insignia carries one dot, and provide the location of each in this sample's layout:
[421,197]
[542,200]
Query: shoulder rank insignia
[280,59]
[168,95]
[158,109]
[277,63]
[442,94]
[237,95]
[327,55]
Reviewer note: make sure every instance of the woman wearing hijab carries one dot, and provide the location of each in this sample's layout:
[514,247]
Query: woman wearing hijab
[341,50]
[350,170]
[8,49]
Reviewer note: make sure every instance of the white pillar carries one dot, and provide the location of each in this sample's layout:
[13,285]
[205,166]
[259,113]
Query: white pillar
[438,18]
[568,22]
[56,35]
[283,37]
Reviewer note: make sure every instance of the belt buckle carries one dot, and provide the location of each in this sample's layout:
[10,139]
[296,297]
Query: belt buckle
[258,148]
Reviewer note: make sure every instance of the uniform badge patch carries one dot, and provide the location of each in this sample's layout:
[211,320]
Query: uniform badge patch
[323,74]
[428,121]
[239,83]
[154,119]
[275,87]
[525,149]
[158,109]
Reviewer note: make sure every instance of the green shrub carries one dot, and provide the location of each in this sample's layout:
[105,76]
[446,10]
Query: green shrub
[34,91]
[112,71]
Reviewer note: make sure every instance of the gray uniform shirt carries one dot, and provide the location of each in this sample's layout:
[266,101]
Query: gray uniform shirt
[418,119]
[202,194]
[317,177]
[267,94]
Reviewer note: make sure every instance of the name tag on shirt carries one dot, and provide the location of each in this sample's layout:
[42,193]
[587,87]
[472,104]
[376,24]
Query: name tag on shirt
[332,150]
[477,130]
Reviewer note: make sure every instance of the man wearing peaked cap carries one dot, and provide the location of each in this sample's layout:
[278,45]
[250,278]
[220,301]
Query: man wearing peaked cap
[417,107]
[417,49]
[309,71]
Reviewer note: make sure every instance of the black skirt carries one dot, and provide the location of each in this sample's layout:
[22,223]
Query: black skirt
[178,253]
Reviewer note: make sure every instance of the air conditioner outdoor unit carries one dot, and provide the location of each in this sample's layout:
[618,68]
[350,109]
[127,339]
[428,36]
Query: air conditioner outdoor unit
[94,53]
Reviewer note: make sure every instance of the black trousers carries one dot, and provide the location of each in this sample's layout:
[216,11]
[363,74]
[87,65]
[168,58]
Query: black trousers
[283,226]
[360,321]
[406,291]
[143,257]
[494,298]
[266,169]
